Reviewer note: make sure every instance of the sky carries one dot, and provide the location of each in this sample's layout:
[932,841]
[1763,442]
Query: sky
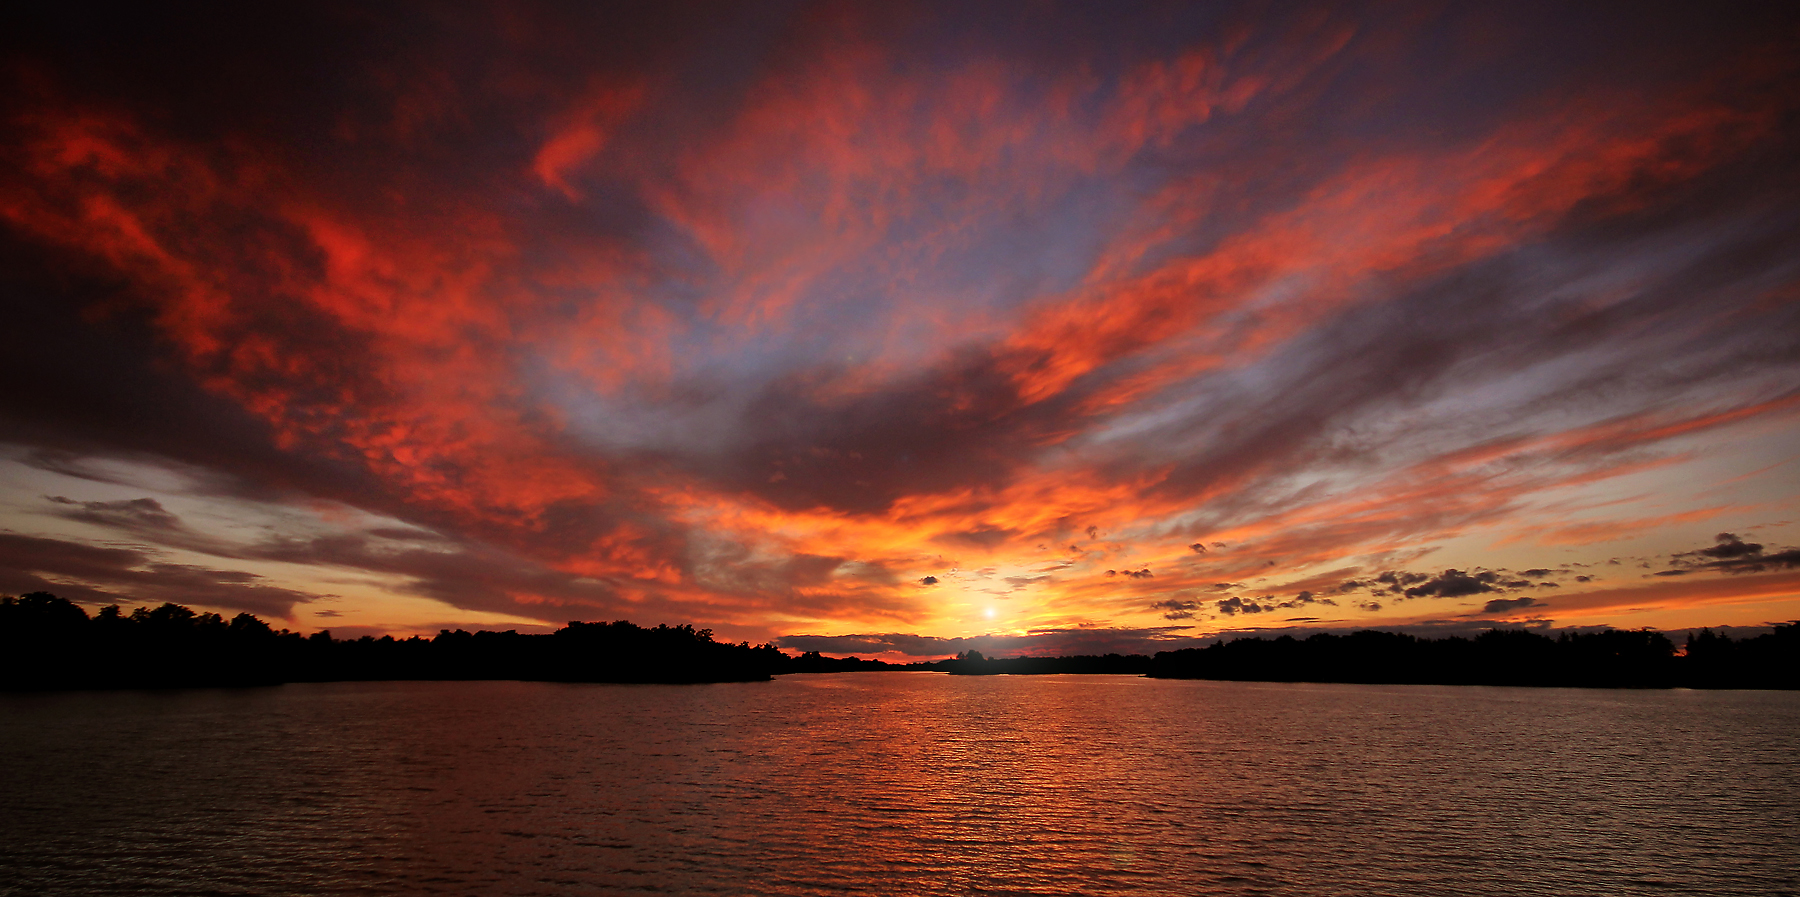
[901,329]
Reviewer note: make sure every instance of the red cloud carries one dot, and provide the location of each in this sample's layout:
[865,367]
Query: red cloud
[584,132]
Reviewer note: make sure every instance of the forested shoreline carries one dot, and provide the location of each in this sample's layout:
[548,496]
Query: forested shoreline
[49,643]
[1612,658]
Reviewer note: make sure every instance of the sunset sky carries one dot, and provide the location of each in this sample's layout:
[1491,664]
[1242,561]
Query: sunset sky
[891,329]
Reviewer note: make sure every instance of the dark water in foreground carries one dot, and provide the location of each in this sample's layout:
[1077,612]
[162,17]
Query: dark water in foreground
[897,783]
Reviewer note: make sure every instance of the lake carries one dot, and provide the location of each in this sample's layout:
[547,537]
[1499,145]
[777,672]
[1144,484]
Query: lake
[900,783]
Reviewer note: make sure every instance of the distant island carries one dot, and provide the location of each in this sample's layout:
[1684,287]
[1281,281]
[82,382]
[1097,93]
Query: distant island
[47,643]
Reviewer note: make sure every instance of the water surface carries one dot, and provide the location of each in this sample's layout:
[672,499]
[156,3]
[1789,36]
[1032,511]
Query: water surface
[900,783]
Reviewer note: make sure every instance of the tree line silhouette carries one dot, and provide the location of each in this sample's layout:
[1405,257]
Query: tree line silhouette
[1613,658]
[48,642]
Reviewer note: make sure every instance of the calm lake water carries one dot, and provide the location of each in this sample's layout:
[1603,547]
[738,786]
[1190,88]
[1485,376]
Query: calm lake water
[900,783]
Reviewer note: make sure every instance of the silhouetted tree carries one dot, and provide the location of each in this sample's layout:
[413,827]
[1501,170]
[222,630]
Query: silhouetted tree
[47,642]
[1608,658]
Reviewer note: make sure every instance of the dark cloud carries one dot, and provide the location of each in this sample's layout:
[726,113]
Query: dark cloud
[93,575]
[462,574]
[1731,554]
[1176,609]
[1508,605]
[863,452]
[1730,547]
[928,581]
[83,387]
[1451,583]
[1234,605]
[1457,584]
[133,514]
[1303,599]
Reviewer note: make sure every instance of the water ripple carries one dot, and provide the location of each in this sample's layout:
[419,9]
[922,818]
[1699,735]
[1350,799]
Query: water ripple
[894,783]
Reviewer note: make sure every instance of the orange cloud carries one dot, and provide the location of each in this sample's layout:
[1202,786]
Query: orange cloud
[1687,594]
[1613,530]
